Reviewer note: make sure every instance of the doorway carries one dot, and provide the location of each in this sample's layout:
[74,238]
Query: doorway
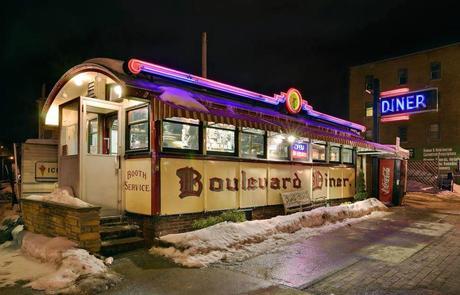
[100,159]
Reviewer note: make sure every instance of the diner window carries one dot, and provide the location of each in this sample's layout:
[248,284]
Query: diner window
[368,82]
[93,136]
[69,129]
[334,154]
[347,155]
[181,134]
[434,132]
[435,70]
[403,76]
[277,146]
[369,109]
[252,143]
[402,133]
[138,129]
[318,152]
[220,138]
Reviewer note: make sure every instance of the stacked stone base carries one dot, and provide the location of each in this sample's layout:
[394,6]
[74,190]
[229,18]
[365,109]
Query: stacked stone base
[81,225]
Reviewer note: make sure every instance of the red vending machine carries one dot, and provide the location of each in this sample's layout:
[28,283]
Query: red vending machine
[386,178]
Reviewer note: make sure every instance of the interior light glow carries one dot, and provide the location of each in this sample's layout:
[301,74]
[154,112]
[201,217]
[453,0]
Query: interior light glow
[52,117]
[394,92]
[79,79]
[279,139]
[117,89]
[291,138]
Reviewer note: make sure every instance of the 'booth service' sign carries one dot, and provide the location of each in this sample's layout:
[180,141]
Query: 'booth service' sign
[410,102]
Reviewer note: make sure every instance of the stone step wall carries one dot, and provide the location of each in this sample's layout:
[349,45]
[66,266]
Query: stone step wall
[81,225]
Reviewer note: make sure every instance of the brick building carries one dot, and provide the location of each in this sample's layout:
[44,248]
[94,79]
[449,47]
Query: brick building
[429,134]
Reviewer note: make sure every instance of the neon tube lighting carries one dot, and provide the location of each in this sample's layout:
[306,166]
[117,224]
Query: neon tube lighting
[136,66]
[400,117]
[394,92]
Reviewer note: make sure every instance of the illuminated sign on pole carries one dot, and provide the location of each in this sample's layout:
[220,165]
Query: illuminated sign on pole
[409,103]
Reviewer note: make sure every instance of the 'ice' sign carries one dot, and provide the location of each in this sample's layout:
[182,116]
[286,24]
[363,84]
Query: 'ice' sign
[410,102]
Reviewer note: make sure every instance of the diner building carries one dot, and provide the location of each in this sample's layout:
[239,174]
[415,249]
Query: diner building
[165,147]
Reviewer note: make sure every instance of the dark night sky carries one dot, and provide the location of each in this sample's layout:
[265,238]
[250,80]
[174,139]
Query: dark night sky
[266,46]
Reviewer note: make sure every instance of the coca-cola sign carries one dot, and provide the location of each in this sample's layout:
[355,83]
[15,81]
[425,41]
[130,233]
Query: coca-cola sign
[386,180]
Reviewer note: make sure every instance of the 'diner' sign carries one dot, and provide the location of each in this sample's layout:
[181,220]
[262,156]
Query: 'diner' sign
[410,102]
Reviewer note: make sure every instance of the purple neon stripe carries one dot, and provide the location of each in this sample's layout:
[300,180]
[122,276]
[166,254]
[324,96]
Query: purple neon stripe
[136,66]
[184,77]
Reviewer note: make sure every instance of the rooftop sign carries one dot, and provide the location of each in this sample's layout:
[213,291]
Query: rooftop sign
[409,103]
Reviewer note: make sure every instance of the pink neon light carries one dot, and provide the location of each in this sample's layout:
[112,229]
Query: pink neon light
[394,92]
[400,117]
[136,66]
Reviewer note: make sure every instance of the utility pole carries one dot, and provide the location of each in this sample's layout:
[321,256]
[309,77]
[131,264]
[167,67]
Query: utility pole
[375,135]
[204,55]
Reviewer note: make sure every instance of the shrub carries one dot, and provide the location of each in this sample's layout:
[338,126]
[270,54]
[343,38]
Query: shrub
[7,227]
[230,216]
[361,193]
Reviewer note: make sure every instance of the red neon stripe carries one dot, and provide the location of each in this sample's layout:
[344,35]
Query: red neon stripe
[394,92]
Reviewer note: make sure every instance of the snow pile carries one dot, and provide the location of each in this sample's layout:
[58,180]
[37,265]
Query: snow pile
[237,241]
[45,249]
[61,196]
[16,267]
[66,269]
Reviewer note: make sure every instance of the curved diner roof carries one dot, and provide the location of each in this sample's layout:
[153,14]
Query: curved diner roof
[198,97]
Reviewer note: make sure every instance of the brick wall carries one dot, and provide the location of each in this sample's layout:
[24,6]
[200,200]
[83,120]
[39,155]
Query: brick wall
[81,225]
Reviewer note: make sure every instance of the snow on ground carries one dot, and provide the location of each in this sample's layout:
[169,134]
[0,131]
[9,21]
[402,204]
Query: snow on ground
[232,242]
[62,196]
[16,267]
[53,265]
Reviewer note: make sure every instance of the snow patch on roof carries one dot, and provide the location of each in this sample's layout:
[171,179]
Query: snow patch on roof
[62,196]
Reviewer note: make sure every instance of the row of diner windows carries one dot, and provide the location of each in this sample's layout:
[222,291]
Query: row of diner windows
[189,136]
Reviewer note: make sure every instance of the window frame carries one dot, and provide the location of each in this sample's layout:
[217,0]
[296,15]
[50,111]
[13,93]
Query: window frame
[128,148]
[368,105]
[183,151]
[340,153]
[352,155]
[235,153]
[288,157]
[400,71]
[325,152]
[90,134]
[430,138]
[265,151]
[431,70]
[368,81]
[407,133]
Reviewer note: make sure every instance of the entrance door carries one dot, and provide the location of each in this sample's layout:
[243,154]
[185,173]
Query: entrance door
[100,142]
